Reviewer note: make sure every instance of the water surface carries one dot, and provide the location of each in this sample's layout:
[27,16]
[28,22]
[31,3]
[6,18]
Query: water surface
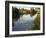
[23,23]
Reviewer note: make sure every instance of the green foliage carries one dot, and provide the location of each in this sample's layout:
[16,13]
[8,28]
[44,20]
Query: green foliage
[36,24]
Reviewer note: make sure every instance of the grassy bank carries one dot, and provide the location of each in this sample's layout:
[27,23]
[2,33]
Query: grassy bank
[36,23]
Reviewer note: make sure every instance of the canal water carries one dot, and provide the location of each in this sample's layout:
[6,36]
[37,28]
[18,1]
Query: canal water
[23,23]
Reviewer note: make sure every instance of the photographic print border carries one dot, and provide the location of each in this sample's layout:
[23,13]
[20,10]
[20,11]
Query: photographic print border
[7,18]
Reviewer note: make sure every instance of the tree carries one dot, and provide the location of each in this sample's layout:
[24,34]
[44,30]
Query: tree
[15,13]
[32,12]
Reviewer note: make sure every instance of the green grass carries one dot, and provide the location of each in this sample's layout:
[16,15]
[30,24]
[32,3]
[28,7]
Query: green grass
[36,23]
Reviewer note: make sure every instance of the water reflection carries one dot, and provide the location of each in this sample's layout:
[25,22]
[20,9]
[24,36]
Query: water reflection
[23,23]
